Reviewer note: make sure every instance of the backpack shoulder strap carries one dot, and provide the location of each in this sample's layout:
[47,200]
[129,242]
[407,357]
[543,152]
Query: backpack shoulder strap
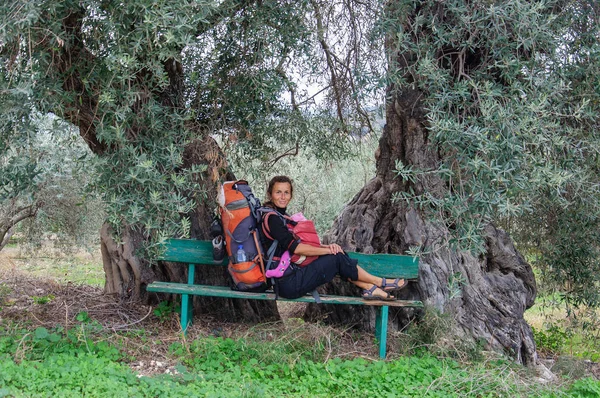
[243,187]
[265,213]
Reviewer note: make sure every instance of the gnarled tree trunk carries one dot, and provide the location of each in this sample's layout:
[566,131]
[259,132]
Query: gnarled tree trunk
[486,295]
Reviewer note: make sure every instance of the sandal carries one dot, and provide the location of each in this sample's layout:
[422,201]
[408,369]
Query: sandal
[395,285]
[367,294]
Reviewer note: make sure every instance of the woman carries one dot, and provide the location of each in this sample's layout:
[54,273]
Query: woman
[331,261]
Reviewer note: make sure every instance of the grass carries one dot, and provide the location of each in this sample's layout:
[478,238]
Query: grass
[82,268]
[545,309]
[560,330]
[43,362]
[289,359]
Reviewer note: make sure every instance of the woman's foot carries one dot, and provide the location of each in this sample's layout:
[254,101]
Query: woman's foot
[388,285]
[376,293]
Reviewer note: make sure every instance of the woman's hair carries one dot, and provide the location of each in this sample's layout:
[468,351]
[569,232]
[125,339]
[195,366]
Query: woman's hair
[274,181]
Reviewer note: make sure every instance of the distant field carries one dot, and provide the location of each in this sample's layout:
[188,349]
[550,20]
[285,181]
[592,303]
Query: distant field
[82,267]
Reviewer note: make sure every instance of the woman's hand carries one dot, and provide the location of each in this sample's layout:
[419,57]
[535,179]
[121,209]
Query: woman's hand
[334,248]
[307,250]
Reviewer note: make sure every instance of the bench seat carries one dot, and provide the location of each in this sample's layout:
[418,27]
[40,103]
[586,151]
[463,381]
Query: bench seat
[224,291]
[194,252]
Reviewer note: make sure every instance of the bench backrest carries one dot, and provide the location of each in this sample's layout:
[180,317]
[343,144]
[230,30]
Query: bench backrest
[386,265]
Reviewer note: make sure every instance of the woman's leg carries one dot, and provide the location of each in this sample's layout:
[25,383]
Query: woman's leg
[350,271]
[323,270]
[317,273]
[365,278]
[366,281]
[378,292]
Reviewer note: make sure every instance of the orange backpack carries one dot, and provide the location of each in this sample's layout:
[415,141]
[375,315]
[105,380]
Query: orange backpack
[239,215]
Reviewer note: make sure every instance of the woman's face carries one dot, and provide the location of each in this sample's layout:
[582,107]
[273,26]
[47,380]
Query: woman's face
[281,194]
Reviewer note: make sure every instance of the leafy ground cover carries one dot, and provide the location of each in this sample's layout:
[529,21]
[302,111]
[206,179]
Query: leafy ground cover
[67,339]
[55,363]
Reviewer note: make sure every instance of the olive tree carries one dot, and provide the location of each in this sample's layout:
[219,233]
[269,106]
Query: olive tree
[150,88]
[490,107]
[490,114]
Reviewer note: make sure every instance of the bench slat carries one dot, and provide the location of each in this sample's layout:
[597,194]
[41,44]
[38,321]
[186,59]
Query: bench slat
[223,291]
[386,265]
[190,251]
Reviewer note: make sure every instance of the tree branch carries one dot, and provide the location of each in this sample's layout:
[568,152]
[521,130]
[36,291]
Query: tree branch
[4,239]
[286,153]
[29,211]
[69,60]
[314,95]
[13,218]
[329,56]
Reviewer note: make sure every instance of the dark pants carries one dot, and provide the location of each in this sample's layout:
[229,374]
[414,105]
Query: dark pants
[303,280]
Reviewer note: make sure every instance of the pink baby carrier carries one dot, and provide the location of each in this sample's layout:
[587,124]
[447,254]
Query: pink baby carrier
[304,230]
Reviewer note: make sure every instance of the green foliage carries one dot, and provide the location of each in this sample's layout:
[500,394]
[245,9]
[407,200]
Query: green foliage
[43,299]
[508,120]
[46,362]
[164,310]
[585,388]
[83,317]
[321,187]
[57,191]
[143,81]
[559,329]
[40,343]
[552,339]
[18,163]
[567,340]
[568,252]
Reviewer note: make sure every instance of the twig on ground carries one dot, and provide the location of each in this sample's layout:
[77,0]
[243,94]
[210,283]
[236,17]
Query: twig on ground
[121,327]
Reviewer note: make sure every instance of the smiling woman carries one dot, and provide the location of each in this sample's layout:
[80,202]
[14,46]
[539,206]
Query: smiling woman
[331,260]
[280,192]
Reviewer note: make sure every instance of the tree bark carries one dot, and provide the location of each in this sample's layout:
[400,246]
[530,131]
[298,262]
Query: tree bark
[486,296]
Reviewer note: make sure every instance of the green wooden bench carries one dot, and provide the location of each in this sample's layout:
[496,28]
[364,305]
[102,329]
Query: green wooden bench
[195,252]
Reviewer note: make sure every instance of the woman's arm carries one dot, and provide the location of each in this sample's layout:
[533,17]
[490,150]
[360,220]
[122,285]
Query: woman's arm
[288,242]
[307,250]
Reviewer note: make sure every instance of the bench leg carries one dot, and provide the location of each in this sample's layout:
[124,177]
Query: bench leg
[381,325]
[186,311]
[187,302]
